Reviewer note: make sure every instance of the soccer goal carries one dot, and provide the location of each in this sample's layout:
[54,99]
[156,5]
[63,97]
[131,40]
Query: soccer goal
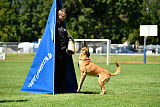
[98,48]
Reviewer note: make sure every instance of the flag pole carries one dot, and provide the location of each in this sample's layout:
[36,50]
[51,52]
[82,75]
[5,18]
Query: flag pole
[54,47]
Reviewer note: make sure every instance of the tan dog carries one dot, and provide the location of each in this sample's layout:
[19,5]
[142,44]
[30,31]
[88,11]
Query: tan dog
[87,67]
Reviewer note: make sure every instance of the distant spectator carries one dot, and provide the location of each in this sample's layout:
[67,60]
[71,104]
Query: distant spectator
[126,43]
[136,45]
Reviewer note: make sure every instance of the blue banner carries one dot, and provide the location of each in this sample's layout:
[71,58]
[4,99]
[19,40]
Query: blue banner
[40,78]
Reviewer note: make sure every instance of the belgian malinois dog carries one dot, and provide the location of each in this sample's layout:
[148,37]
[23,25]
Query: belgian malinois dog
[87,67]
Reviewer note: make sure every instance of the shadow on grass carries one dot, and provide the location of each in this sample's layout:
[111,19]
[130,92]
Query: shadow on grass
[6,101]
[87,92]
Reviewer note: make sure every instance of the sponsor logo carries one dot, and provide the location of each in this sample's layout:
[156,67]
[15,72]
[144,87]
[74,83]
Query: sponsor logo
[36,76]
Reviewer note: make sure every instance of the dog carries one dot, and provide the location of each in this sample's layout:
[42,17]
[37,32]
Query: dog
[87,67]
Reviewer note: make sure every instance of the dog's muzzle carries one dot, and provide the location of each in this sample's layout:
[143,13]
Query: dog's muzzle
[88,53]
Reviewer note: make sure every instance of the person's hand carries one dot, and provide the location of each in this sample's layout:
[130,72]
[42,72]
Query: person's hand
[70,37]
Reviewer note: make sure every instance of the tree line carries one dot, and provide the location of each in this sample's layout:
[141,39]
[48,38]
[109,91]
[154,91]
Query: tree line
[117,20]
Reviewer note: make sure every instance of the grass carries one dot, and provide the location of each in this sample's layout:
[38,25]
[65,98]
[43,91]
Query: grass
[154,59]
[137,85]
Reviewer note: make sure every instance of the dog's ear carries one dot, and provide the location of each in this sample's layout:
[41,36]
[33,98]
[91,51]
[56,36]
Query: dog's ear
[83,44]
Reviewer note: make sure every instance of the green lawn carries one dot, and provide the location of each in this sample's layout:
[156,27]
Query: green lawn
[137,85]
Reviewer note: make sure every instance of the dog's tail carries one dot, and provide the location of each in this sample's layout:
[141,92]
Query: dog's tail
[117,71]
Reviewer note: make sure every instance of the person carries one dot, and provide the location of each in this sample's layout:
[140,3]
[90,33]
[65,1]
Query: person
[136,45]
[61,43]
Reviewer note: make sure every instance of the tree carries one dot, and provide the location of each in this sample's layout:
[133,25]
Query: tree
[151,16]
[9,15]
[33,17]
[117,20]
[110,19]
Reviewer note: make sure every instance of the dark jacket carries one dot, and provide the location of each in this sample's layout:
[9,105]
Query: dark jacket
[61,40]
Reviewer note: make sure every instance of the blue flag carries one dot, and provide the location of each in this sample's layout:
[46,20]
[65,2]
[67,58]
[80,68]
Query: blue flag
[40,78]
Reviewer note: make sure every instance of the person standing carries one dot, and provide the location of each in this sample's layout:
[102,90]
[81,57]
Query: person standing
[61,57]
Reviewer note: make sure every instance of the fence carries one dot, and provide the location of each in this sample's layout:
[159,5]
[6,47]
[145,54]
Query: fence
[18,48]
[118,52]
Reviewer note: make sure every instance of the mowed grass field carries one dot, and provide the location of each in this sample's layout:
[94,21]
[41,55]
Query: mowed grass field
[138,85]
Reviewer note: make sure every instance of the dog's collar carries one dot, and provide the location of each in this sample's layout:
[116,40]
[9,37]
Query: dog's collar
[84,59]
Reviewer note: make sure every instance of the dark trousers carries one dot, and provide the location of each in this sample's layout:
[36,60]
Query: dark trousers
[60,72]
